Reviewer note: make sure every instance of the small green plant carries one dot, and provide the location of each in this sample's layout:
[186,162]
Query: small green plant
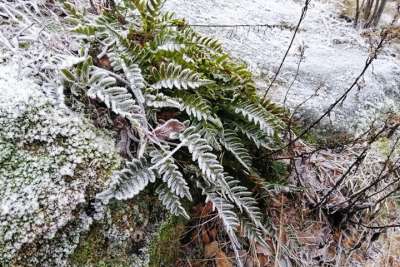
[213,120]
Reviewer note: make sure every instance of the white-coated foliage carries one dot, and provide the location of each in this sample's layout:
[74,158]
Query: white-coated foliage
[253,134]
[170,173]
[130,181]
[116,98]
[171,201]
[210,167]
[174,76]
[233,144]
[195,106]
[244,201]
[135,78]
[161,101]
[256,114]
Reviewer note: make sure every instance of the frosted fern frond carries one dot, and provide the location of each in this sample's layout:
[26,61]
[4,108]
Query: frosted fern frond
[256,114]
[154,7]
[170,173]
[244,201]
[115,61]
[275,109]
[253,233]
[211,133]
[161,101]
[254,134]
[149,11]
[195,38]
[233,144]
[210,167]
[226,213]
[136,81]
[171,47]
[87,30]
[171,202]
[195,106]
[132,180]
[173,76]
[118,99]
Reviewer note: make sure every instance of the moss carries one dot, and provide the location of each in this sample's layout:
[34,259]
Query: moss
[122,237]
[91,251]
[384,146]
[164,248]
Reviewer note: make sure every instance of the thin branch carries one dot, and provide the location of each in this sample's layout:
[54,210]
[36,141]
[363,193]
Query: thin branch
[302,17]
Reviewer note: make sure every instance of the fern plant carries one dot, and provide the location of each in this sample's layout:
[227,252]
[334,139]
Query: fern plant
[194,111]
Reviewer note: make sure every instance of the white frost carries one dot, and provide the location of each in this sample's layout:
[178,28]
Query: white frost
[335,53]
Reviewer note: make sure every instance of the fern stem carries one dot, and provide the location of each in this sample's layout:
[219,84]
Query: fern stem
[158,164]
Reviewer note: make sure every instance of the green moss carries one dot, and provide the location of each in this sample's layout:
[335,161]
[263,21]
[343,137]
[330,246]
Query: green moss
[164,248]
[92,251]
[384,146]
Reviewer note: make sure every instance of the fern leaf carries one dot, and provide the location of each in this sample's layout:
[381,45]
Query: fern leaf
[195,106]
[132,180]
[253,233]
[135,78]
[244,201]
[226,213]
[173,76]
[115,61]
[170,173]
[233,144]
[162,101]
[171,202]
[118,99]
[256,114]
[154,7]
[254,134]
[191,37]
[211,169]
[171,47]
[211,133]
[88,30]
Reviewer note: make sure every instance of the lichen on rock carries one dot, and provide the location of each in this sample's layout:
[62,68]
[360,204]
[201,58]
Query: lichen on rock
[52,163]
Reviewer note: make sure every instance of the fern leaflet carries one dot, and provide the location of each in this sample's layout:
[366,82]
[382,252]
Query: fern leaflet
[173,76]
[170,173]
[130,181]
[171,202]
[195,106]
[233,144]
[211,169]
[256,114]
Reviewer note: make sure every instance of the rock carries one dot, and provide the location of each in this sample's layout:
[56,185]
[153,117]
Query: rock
[335,54]
[52,164]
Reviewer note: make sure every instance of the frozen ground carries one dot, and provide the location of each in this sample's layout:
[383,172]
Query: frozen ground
[335,53]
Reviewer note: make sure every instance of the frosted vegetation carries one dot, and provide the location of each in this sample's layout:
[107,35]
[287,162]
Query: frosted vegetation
[115,118]
[334,54]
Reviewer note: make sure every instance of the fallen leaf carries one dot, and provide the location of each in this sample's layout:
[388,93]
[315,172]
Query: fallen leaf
[211,249]
[221,260]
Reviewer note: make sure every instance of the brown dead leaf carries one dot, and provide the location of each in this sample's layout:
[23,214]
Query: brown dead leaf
[212,233]
[221,260]
[204,237]
[211,249]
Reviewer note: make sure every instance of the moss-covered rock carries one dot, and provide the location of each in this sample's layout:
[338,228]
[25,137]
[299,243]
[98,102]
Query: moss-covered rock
[164,248]
[122,237]
[52,164]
